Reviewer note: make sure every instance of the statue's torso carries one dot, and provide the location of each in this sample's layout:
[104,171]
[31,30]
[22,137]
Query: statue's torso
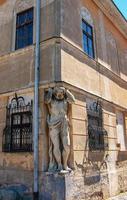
[58,111]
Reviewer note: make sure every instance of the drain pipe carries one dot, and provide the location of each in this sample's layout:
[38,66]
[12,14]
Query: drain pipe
[36,103]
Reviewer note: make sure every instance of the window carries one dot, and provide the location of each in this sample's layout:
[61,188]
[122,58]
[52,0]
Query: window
[17,135]
[98,139]
[24,29]
[120,130]
[88,39]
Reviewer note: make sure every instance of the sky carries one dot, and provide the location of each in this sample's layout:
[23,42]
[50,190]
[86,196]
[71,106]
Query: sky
[122,5]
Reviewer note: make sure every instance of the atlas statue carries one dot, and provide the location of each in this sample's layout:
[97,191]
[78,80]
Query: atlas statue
[58,100]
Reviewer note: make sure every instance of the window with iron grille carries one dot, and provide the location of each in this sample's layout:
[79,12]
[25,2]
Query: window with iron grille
[24,29]
[88,45]
[97,135]
[17,135]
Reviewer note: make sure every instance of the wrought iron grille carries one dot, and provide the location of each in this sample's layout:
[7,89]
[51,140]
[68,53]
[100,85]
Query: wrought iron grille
[17,135]
[98,137]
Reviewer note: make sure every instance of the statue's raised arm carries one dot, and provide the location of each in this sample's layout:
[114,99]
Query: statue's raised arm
[70,97]
[48,95]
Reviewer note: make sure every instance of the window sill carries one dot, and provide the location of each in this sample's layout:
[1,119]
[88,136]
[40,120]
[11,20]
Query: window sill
[16,52]
[23,49]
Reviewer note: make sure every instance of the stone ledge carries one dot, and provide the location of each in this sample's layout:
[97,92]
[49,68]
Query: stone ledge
[72,186]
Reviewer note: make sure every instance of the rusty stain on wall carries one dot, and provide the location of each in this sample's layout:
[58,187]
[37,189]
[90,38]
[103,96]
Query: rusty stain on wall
[2,2]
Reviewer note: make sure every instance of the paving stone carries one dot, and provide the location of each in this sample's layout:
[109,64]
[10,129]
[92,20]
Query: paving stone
[120,197]
[14,192]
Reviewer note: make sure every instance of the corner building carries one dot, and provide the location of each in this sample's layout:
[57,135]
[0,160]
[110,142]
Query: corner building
[83,47]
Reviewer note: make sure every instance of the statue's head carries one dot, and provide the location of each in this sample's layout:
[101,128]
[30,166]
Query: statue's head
[59,93]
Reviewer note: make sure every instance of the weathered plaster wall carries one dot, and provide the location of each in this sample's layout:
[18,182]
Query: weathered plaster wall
[110,44]
[50,21]
[97,172]
[62,59]
[17,75]
[14,167]
[88,76]
[17,68]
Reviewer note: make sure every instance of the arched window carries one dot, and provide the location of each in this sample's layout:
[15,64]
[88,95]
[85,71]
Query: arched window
[87,31]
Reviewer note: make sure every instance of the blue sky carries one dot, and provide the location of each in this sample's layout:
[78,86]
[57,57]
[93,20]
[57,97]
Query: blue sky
[122,5]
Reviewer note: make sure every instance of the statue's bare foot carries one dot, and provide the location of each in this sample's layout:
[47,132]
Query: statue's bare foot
[67,169]
[59,168]
[52,168]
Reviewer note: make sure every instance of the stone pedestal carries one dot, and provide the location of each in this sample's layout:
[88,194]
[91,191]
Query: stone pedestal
[59,187]
[53,187]
[74,186]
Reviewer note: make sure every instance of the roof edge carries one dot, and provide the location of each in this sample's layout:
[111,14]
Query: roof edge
[119,10]
[109,8]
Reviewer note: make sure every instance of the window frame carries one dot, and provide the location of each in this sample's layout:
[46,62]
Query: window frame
[121,144]
[17,27]
[91,37]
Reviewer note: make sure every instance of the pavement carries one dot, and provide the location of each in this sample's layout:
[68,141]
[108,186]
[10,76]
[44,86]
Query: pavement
[15,192]
[120,197]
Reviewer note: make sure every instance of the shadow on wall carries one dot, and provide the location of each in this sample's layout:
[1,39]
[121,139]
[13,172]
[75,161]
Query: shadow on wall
[92,166]
[94,171]
[121,165]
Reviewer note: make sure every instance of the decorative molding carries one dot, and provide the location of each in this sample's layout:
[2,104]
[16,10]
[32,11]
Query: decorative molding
[86,15]
[109,9]
[94,64]
[22,5]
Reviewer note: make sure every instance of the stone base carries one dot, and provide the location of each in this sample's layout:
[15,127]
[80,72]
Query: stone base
[53,186]
[73,186]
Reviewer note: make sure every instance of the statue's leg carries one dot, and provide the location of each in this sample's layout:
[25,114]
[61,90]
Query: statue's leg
[52,163]
[54,135]
[65,138]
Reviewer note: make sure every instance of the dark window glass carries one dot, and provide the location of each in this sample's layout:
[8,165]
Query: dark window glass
[24,29]
[85,43]
[84,26]
[89,30]
[88,39]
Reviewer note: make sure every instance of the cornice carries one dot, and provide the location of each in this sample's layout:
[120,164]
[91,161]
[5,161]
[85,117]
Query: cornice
[114,15]
[101,69]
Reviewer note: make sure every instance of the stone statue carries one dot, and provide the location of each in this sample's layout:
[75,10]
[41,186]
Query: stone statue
[57,100]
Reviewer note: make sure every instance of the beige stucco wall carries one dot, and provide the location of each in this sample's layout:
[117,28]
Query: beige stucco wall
[110,48]
[77,72]
[50,21]
[58,67]
[63,62]
[14,166]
